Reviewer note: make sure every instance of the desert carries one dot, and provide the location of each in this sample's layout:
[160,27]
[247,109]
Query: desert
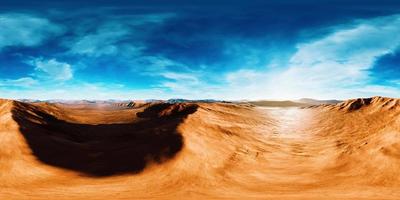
[189,150]
[200,99]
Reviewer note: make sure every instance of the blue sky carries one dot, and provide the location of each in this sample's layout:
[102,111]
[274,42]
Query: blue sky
[228,50]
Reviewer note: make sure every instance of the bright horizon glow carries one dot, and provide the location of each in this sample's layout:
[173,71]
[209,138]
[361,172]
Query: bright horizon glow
[230,50]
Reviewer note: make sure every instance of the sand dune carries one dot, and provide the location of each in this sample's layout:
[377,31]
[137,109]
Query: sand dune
[349,150]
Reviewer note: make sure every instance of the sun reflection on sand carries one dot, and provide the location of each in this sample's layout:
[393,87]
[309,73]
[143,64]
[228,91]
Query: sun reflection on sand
[289,122]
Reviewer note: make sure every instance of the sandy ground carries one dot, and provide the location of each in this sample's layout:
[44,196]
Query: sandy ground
[206,151]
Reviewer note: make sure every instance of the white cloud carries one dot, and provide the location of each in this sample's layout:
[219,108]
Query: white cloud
[114,36]
[182,84]
[90,91]
[180,76]
[155,64]
[21,82]
[52,69]
[25,30]
[334,66]
[102,42]
[44,71]
[350,51]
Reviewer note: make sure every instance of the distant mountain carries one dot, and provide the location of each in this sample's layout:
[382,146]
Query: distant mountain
[131,103]
[29,100]
[267,103]
[317,102]
[193,101]
[296,103]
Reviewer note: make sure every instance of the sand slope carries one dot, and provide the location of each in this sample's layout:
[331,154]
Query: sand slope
[349,150]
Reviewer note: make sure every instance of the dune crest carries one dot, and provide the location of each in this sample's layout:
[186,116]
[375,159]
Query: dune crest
[373,104]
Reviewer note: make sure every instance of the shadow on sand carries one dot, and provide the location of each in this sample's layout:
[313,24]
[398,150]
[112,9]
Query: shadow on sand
[104,149]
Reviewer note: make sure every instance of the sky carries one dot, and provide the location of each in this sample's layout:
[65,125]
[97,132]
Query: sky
[228,50]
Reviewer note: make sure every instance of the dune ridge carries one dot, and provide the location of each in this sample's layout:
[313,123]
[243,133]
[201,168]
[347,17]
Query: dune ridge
[376,103]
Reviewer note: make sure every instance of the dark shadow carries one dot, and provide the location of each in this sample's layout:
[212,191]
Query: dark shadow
[104,149]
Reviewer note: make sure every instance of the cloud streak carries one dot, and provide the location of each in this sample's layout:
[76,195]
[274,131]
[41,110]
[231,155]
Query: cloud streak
[52,69]
[21,82]
[337,64]
[25,30]
[118,35]
[155,54]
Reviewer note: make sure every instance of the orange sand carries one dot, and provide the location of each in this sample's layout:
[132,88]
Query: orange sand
[200,151]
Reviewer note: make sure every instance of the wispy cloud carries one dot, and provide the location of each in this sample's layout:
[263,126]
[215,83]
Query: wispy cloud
[52,69]
[21,82]
[90,91]
[153,65]
[350,51]
[116,35]
[45,71]
[156,55]
[180,76]
[335,65]
[101,42]
[25,30]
